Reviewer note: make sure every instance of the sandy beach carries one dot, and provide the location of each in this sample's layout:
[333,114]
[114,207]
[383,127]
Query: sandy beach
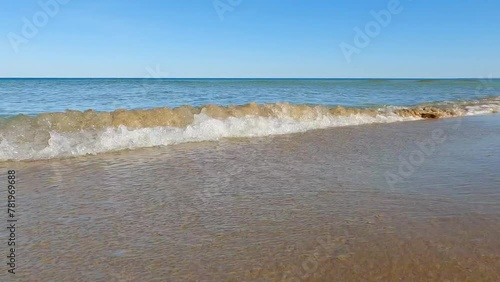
[338,204]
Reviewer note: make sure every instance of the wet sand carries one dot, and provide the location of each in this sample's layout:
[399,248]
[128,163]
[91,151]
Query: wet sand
[343,204]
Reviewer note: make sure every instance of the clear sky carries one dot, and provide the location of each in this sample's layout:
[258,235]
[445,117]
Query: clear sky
[249,38]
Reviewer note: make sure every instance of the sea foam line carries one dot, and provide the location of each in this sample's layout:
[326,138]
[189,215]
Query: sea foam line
[75,133]
[204,128]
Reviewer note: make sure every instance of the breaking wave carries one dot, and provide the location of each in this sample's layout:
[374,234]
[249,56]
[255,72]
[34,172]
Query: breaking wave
[75,133]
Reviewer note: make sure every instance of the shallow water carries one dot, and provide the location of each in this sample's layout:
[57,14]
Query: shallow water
[313,206]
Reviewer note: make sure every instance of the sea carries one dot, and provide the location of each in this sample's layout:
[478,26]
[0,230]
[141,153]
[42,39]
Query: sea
[250,179]
[53,118]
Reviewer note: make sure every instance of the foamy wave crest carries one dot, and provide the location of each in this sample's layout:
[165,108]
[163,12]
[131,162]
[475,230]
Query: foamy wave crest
[74,133]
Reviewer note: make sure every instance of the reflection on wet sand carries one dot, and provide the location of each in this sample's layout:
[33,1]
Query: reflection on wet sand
[304,207]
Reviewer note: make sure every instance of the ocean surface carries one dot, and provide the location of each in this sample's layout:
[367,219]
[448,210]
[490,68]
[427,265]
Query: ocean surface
[52,118]
[35,96]
[253,180]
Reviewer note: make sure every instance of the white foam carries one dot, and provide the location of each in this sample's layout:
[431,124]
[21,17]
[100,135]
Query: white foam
[482,109]
[203,128]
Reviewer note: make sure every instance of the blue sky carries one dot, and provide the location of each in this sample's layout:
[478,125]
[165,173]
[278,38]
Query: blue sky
[248,38]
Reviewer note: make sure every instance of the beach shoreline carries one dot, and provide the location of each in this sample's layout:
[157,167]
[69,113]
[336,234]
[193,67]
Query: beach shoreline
[311,206]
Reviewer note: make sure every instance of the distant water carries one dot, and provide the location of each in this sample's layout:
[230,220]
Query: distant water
[52,118]
[34,96]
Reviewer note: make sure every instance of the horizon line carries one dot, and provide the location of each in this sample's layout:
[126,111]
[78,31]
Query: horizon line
[325,78]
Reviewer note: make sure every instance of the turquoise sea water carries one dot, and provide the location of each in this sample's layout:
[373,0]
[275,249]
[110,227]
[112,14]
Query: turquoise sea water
[26,133]
[33,95]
